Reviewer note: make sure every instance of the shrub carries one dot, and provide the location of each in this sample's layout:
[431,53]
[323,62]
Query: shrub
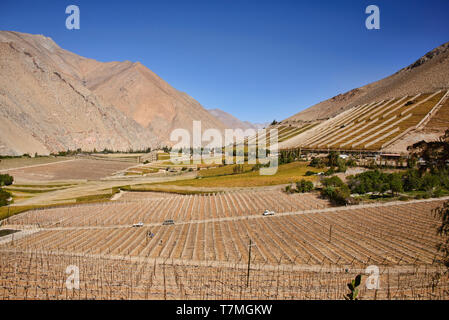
[310,173]
[396,184]
[333,182]
[341,165]
[369,181]
[337,195]
[6,180]
[303,186]
[333,159]
[317,163]
[4,196]
[351,162]
[438,193]
[412,180]
[430,182]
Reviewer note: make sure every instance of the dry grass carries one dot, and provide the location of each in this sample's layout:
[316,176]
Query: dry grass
[70,170]
[25,161]
[286,173]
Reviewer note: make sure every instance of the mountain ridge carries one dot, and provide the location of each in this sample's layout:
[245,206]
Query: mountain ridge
[427,74]
[233,122]
[144,103]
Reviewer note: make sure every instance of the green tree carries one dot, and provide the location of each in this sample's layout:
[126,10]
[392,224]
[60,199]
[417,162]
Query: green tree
[412,180]
[317,163]
[435,153]
[4,196]
[337,195]
[341,165]
[303,186]
[333,182]
[430,182]
[6,180]
[332,159]
[396,184]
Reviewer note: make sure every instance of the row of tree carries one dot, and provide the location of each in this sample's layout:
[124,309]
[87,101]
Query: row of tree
[334,162]
[301,186]
[5,180]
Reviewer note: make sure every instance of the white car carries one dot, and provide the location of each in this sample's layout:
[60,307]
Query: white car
[268,213]
[140,224]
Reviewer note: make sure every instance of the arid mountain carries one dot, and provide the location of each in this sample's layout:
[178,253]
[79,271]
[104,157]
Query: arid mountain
[149,100]
[52,99]
[44,111]
[232,122]
[428,74]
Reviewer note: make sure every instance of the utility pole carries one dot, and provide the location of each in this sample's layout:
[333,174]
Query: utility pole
[249,261]
[330,234]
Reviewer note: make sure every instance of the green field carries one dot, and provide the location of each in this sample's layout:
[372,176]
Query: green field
[287,173]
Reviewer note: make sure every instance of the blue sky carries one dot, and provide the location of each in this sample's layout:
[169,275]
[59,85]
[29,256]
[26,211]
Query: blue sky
[259,60]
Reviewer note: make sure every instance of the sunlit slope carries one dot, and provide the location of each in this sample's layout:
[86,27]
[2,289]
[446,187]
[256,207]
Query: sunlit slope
[284,133]
[372,126]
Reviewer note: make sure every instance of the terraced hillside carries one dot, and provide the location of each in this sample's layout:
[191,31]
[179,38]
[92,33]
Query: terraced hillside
[284,133]
[373,126]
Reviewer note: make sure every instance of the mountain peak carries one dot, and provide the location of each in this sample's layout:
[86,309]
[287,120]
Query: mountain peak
[438,52]
[429,73]
[118,105]
[231,122]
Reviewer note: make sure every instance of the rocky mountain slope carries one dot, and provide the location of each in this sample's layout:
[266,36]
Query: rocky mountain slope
[232,122]
[42,110]
[428,74]
[52,100]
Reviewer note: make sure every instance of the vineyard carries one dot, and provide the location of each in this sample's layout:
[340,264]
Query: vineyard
[41,275]
[306,250]
[371,126]
[75,169]
[152,209]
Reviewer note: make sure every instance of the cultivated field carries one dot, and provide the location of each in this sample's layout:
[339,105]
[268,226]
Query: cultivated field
[10,163]
[41,275]
[307,250]
[76,169]
[220,177]
[133,207]
[370,126]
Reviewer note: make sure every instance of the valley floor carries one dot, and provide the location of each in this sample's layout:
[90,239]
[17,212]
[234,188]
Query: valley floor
[308,249]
